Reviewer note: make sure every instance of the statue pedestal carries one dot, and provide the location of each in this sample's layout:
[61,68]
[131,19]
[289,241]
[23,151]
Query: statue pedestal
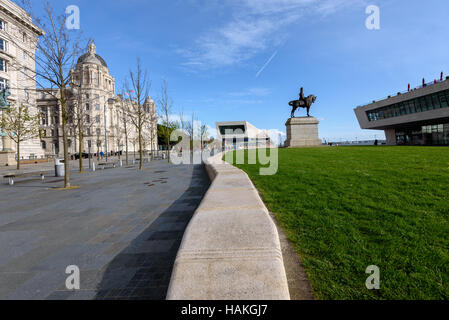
[302,132]
[8,158]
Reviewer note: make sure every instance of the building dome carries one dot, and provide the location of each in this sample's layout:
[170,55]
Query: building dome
[92,57]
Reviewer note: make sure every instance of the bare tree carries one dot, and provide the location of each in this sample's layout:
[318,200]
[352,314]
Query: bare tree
[138,91]
[204,132]
[152,130]
[191,130]
[79,118]
[20,125]
[165,105]
[56,53]
[124,120]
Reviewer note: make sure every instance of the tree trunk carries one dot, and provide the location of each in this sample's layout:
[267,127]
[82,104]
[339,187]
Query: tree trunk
[152,144]
[66,149]
[140,148]
[126,143]
[167,136]
[80,147]
[18,154]
[119,151]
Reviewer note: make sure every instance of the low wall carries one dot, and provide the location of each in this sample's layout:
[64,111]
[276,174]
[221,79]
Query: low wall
[231,248]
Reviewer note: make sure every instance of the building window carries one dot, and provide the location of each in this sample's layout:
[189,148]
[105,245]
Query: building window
[87,118]
[3,66]
[87,107]
[25,55]
[3,83]
[426,103]
[95,78]
[98,131]
[97,107]
[87,131]
[44,116]
[3,45]
[97,119]
[2,25]
[44,145]
[24,37]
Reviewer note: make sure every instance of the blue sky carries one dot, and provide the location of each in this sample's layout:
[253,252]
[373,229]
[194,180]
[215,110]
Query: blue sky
[212,53]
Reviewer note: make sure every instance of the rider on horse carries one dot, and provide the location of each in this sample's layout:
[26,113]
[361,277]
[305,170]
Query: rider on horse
[301,96]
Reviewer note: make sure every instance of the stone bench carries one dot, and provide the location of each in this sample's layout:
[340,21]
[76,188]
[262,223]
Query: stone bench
[14,176]
[231,248]
[104,165]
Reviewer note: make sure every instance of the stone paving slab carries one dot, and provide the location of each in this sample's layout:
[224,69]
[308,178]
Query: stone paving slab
[122,233]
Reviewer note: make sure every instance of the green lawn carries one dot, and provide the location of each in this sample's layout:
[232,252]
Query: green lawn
[345,208]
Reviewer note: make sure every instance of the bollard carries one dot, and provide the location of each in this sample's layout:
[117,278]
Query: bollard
[121,163]
[11,181]
[93,166]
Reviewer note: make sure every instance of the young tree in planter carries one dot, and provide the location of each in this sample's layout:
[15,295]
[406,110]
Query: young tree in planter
[20,125]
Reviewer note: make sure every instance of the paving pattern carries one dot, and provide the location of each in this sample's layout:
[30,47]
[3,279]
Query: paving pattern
[122,228]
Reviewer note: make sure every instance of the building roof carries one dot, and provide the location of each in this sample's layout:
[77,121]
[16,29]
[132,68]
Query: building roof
[92,57]
[96,59]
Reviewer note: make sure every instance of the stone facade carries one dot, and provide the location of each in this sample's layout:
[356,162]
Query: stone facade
[18,40]
[302,132]
[93,89]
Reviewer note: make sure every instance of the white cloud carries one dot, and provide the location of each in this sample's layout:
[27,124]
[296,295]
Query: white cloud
[276,136]
[254,26]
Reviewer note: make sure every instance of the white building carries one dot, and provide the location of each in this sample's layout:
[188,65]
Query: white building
[241,134]
[18,40]
[102,113]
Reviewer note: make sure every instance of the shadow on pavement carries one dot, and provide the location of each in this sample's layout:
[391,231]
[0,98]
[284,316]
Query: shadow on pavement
[143,269]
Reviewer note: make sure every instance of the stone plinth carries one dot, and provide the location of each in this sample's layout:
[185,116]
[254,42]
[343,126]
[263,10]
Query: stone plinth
[302,132]
[7,158]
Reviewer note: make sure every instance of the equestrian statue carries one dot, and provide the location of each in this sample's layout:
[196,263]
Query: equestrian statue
[303,102]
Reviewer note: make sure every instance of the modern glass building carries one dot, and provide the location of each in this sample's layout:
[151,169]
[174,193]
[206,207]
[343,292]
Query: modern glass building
[240,135]
[417,117]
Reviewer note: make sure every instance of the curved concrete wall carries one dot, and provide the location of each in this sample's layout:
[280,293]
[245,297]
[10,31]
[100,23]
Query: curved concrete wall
[231,248]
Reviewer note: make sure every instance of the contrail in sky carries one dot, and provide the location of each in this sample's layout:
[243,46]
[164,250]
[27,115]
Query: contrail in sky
[266,64]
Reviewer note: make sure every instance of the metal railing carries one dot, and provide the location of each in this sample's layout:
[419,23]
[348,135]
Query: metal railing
[404,92]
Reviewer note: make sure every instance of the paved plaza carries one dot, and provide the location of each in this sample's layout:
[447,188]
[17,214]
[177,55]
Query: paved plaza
[122,228]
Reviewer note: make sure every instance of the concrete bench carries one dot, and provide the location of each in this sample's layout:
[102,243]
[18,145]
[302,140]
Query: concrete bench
[105,165]
[14,176]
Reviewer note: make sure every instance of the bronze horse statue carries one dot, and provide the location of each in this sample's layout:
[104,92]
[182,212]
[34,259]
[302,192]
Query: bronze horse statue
[305,103]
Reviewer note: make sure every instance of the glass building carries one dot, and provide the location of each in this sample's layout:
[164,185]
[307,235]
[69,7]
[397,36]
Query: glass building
[417,117]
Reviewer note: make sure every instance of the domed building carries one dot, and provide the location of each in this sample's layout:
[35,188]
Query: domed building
[95,105]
